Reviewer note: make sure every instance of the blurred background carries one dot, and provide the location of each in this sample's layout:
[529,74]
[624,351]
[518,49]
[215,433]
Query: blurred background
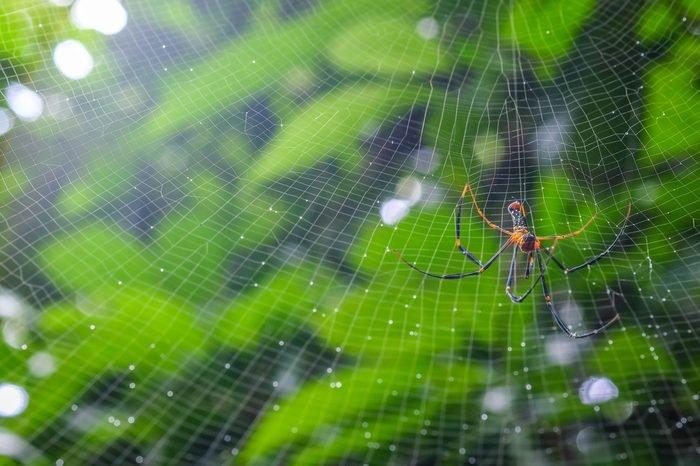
[200,199]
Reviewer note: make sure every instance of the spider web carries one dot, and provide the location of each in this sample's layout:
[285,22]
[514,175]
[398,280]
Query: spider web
[197,237]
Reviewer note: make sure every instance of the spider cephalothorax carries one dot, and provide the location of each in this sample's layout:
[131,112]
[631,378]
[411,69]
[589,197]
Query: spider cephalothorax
[526,241]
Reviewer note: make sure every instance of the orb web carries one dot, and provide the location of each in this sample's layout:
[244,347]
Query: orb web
[201,201]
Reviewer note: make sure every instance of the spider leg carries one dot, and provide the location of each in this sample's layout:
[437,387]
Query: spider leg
[458,236]
[557,319]
[553,258]
[571,234]
[595,258]
[510,283]
[455,276]
[529,264]
[468,189]
[581,230]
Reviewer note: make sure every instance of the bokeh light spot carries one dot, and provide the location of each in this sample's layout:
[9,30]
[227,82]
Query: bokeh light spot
[13,400]
[73,59]
[105,16]
[393,210]
[6,121]
[27,104]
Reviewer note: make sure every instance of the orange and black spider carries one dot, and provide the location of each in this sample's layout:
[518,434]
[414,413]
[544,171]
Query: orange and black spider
[524,239]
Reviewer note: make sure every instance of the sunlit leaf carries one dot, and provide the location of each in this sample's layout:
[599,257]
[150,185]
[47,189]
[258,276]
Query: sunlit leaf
[546,28]
[261,59]
[389,47]
[12,183]
[274,309]
[672,117]
[658,22]
[111,329]
[327,411]
[629,358]
[332,125]
[96,255]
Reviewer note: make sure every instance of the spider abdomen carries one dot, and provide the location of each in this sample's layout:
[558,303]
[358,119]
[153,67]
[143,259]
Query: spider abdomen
[526,241]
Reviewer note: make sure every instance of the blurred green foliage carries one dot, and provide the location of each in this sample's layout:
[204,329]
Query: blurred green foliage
[195,258]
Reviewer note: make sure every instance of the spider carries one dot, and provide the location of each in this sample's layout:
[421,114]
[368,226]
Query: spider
[524,239]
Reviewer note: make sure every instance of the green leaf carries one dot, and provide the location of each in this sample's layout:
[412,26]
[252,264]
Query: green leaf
[194,241]
[546,29]
[178,15]
[675,196]
[263,57]
[672,118]
[113,328]
[630,359]
[657,22]
[332,125]
[329,410]
[103,182]
[276,308]
[456,133]
[564,204]
[12,183]
[85,259]
[18,31]
[489,149]
[692,9]
[342,443]
[387,46]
